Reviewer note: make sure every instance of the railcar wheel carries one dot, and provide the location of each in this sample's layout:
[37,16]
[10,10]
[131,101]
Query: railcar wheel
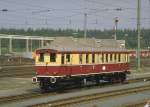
[84,81]
[43,86]
[123,77]
[97,79]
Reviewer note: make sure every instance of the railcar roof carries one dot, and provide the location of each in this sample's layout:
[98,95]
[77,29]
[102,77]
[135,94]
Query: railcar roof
[82,49]
[69,44]
[90,42]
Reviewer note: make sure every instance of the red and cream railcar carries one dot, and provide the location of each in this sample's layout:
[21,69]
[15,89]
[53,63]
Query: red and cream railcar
[55,66]
[143,53]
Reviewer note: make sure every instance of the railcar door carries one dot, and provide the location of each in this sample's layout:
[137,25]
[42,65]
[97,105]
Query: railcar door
[51,69]
[65,64]
[68,64]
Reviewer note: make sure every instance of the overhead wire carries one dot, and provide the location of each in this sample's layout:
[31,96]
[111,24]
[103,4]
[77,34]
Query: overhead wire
[24,4]
[39,10]
[102,3]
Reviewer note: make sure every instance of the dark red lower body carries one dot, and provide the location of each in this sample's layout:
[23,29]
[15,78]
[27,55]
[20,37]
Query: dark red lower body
[72,70]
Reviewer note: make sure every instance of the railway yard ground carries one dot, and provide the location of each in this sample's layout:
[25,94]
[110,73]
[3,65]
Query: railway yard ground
[16,80]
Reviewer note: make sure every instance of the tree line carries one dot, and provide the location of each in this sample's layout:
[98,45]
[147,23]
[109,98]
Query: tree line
[127,34]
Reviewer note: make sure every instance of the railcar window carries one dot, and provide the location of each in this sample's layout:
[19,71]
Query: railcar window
[80,58]
[93,58]
[106,57]
[102,58]
[41,58]
[68,57]
[115,57]
[127,57]
[110,57]
[87,58]
[97,58]
[52,57]
[118,57]
[124,57]
[62,59]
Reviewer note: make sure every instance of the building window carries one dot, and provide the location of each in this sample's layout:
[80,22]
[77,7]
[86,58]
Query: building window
[87,58]
[93,58]
[41,58]
[52,57]
[68,57]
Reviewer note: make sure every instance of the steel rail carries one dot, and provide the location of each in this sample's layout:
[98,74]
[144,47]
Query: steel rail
[17,66]
[136,104]
[17,74]
[10,99]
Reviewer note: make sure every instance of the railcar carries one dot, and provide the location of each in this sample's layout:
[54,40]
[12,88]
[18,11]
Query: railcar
[143,53]
[56,66]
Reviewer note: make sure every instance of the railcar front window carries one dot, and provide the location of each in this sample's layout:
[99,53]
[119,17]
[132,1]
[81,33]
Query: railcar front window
[41,58]
[53,57]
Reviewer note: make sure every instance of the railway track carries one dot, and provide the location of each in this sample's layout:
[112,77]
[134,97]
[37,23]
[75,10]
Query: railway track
[23,75]
[97,96]
[10,99]
[12,60]
[137,104]
[145,62]
[17,66]
[17,71]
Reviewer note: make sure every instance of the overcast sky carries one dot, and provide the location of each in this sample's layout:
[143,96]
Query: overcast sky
[70,13]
